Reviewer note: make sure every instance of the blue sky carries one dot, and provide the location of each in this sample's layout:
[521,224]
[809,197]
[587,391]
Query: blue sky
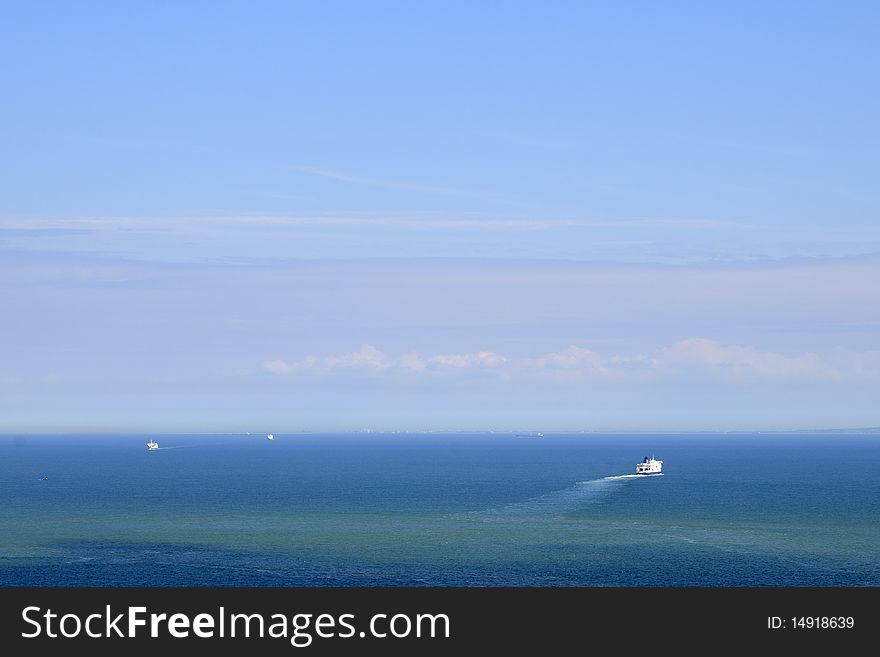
[281,216]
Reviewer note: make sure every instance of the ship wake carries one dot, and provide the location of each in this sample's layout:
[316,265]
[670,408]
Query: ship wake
[576,496]
[191,445]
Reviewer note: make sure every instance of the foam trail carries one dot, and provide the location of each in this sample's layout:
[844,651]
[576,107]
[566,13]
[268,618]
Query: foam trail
[633,476]
[572,498]
[195,445]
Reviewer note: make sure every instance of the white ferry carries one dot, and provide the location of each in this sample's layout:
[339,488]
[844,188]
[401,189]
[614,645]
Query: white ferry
[152,445]
[270,437]
[649,466]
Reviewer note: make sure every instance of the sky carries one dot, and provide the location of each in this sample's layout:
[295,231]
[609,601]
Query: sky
[560,216]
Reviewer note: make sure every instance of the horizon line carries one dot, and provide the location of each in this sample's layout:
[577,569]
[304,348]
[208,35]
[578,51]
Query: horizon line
[380,432]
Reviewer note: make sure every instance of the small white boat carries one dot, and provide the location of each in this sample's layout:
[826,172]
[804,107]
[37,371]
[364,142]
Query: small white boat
[649,466]
[270,437]
[152,445]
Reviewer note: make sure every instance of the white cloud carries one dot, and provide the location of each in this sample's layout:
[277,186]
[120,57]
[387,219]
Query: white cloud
[365,357]
[692,357]
[412,361]
[277,367]
[570,358]
[479,359]
[369,357]
[741,361]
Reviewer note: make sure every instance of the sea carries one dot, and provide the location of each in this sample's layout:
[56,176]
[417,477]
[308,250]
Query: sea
[456,509]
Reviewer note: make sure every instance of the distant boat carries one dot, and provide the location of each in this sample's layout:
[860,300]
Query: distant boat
[152,445]
[44,478]
[270,437]
[649,466]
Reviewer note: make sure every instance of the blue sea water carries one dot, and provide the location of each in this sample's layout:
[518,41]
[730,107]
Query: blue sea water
[438,510]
